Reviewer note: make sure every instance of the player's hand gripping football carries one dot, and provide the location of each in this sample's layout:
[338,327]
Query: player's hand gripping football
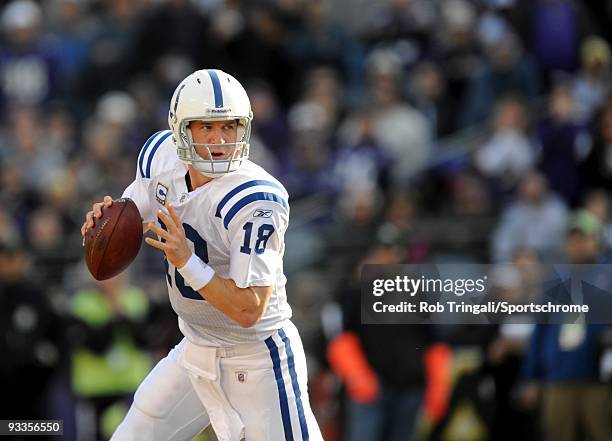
[174,242]
[95,213]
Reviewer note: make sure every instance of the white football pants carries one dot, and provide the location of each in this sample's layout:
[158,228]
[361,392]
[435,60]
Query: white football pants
[256,391]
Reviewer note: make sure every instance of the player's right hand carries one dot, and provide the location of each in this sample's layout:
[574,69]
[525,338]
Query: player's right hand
[95,213]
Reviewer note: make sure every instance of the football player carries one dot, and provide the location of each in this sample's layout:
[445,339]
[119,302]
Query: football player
[220,221]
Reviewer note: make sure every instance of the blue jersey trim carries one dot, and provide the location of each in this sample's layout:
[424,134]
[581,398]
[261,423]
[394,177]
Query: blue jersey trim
[143,151]
[241,187]
[216,88]
[153,150]
[260,196]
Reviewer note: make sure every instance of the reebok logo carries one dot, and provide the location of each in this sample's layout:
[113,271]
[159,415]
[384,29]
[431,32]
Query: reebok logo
[262,213]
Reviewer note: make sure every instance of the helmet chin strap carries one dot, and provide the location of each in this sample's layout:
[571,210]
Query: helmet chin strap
[215,168]
[206,172]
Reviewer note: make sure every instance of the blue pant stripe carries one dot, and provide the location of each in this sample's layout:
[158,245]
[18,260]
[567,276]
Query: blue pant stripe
[295,384]
[282,393]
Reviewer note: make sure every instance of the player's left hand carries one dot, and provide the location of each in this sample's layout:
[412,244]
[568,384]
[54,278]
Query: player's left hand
[174,243]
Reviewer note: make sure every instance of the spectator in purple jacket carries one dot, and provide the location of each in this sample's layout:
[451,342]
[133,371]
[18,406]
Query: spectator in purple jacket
[563,145]
[28,68]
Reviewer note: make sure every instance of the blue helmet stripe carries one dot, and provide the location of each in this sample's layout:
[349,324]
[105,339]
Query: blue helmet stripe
[153,150]
[216,88]
[178,96]
[260,196]
[241,187]
[142,153]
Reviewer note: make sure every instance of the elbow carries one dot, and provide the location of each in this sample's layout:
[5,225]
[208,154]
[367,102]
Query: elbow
[247,323]
[252,310]
[247,319]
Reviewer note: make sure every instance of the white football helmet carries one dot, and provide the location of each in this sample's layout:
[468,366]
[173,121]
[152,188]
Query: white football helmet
[210,94]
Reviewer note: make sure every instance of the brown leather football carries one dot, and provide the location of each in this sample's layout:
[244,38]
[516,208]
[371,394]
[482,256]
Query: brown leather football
[115,239]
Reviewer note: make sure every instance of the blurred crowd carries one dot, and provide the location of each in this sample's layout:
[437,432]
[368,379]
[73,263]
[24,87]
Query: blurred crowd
[406,131]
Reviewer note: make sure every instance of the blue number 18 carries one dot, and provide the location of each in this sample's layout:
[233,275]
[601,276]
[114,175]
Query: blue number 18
[263,234]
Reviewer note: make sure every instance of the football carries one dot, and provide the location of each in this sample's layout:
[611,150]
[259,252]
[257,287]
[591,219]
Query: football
[114,241]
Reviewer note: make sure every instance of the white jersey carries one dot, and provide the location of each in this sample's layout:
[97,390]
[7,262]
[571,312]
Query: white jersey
[236,223]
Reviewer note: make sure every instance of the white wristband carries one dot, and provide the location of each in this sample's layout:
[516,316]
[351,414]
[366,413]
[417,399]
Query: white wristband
[196,273]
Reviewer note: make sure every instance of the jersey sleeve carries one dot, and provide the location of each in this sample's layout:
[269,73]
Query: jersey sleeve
[256,224]
[140,189]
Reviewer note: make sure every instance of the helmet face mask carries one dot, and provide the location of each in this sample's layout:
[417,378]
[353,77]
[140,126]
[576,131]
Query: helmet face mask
[210,95]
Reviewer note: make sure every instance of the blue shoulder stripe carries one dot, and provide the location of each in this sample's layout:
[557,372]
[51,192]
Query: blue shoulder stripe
[260,196]
[142,153]
[241,187]
[216,88]
[153,150]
